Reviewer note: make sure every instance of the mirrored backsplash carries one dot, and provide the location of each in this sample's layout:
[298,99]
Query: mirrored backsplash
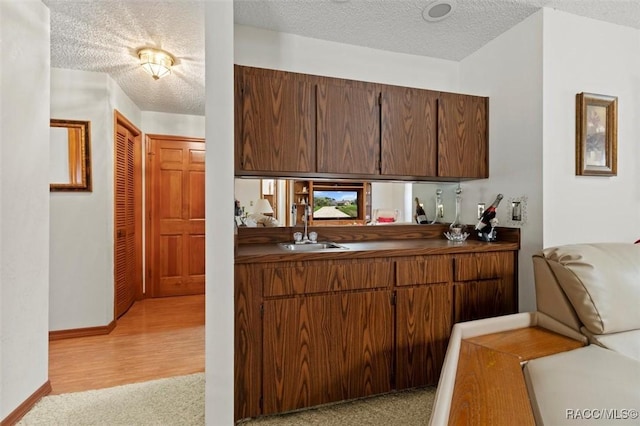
[387,202]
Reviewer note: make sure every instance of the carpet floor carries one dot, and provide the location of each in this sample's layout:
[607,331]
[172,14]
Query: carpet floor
[172,401]
[402,408]
[179,401]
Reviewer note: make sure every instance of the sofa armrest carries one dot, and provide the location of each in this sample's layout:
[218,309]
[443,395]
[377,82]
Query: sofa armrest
[464,330]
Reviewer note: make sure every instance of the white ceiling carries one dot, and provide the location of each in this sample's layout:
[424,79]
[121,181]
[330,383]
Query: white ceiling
[104,36]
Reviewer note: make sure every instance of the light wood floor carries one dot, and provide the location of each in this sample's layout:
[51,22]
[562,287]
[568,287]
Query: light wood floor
[156,338]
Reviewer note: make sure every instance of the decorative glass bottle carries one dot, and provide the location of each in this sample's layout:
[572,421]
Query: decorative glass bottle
[439,214]
[456,232]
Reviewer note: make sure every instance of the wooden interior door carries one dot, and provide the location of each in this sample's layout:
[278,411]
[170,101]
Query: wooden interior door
[127,215]
[175,211]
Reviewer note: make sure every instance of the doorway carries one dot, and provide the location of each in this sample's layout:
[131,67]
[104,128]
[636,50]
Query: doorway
[175,223]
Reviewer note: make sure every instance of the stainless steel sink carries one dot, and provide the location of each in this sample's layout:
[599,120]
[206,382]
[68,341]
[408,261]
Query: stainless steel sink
[319,246]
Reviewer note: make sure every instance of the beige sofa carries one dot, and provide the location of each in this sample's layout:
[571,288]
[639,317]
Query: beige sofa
[584,291]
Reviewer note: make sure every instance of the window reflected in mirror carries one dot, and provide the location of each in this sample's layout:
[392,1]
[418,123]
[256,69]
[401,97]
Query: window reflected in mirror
[70,155]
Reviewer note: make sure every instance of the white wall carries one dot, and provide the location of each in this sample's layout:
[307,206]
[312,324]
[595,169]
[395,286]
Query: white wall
[81,271]
[247,191]
[287,52]
[24,201]
[219,315]
[584,55]
[426,193]
[81,244]
[162,123]
[509,71]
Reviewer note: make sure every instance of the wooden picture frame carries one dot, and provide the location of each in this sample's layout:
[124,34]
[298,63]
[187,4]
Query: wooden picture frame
[70,155]
[596,135]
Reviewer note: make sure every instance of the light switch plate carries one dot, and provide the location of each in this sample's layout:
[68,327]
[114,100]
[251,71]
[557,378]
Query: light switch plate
[517,213]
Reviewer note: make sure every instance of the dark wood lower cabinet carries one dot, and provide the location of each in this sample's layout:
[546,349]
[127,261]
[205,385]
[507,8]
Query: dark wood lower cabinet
[483,299]
[484,285]
[423,325]
[326,348]
[315,331]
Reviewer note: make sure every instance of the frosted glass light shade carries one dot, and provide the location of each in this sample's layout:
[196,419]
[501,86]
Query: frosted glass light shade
[156,62]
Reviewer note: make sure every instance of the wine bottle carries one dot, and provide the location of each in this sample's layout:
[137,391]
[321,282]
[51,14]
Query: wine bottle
[421,216]
[484,224]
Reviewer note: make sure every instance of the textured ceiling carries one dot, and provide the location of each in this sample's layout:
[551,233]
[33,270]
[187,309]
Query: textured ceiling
[104,36]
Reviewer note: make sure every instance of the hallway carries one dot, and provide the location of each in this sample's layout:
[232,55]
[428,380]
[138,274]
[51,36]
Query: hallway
[156,338]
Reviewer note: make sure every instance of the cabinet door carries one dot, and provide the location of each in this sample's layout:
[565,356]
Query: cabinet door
[408,132]
[483,299]
[462,136]
[423,321]
[319,349]
[348,120]
[278,126]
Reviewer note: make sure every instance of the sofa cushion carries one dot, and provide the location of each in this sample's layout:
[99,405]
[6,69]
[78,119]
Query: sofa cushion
[626,342]
[602,282]
[568,387]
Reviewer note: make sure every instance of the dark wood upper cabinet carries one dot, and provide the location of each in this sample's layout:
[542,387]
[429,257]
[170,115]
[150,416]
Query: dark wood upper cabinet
[462,136]
[348,120]
[291,124]
[278,126]
[408,139]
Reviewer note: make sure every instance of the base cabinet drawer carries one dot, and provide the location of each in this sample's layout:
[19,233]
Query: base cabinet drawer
[483,266]
[423,270]
[325,277]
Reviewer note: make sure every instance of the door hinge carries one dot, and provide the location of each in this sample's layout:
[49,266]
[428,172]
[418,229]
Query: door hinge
[262,310]
[261,403]
[380,98]
[393,299]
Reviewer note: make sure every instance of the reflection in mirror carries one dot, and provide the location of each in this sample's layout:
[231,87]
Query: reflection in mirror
[394,199]
[70,155]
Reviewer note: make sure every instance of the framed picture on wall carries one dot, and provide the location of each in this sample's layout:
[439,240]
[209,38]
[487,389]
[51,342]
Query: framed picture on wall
[596,135]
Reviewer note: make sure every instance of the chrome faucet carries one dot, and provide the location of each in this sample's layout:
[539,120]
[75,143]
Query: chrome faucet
[305,219]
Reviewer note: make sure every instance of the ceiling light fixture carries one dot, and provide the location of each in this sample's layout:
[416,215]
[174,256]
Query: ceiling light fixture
[438,10]
[156,62]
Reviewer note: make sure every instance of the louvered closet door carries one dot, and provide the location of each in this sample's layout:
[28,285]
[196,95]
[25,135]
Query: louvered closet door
[125,255]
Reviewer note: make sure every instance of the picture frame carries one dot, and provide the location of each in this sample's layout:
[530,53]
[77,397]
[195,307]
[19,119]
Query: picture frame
[70,155]
[596,135]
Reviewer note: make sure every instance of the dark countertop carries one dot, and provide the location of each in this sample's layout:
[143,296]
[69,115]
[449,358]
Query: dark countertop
[259,253]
